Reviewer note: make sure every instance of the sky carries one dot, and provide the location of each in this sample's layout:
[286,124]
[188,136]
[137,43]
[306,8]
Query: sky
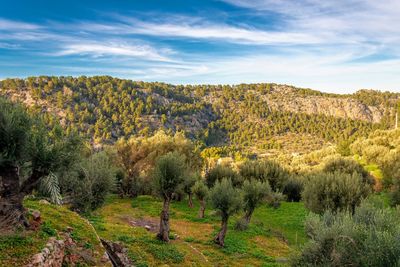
[337,46]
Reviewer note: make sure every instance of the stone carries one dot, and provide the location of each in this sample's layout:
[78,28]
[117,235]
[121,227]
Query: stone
[36,215]
[147,227]
[44,202]
[105,258]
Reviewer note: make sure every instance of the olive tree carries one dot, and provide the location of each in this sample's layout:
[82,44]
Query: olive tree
[188,183]
[168,174]
[227,200]
[254,192]
[28,153]
[334,191]
[267,171]
[89,181]
[200,190]
[223,171]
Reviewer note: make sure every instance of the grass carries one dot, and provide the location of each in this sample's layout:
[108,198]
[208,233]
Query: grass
[273,234]
[18,248]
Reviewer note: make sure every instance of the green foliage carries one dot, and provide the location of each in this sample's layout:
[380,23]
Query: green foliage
[169,173]
[189,182]
[254,192]
[200,190]
[104,109]
[293,189]
[367,238]
[266,171]
[225,198]
[89,182]
[222,171]
[25,139]
[348,166]
[137,157]
[50,186]
[334,191]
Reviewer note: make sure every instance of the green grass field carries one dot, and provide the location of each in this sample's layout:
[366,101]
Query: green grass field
[272,236]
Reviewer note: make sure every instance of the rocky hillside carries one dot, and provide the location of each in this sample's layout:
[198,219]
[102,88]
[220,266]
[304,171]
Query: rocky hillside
[105,108]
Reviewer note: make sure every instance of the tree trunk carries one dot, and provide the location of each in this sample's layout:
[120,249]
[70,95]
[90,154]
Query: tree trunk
[11,208]
[190,201]
[247,216]
[163,234]
[202,208]
[12,212]
[220,238]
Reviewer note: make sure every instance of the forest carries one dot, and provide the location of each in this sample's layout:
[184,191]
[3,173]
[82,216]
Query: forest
[115,172]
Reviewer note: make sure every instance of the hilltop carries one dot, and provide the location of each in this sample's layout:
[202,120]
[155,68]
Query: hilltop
[254,117]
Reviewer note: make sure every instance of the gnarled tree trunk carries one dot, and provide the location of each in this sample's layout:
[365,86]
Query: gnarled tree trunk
[202,208]
[220,238]
[12,212]
[247,216]
[11,208]
[190,201]
[164,221]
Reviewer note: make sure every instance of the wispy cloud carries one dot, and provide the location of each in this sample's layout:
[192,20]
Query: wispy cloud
[10,25]
[198,28]
[111,49]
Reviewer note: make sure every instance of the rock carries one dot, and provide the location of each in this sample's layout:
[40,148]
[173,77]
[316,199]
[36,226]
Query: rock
[116,253]
[44,202]
[147,227]
[117,247]
[105,258]
[70,229]
[36,215]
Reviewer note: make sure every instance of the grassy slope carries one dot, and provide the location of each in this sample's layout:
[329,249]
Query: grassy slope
[17,249]
[273,234]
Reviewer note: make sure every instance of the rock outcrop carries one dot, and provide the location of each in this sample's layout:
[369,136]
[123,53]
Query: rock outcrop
[51,256]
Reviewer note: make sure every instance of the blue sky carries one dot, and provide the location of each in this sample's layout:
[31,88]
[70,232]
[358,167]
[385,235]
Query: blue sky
[335,46]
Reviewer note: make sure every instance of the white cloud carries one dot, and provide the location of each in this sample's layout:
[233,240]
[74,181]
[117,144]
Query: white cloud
[10,25]
[112,49]
[200,29]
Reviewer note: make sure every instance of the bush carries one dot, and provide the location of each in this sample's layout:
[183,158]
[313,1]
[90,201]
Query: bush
[348,166]
[370,237]
[89,182]
[334,191]
[222,171]
[274,200]
[266,171]
[293,189]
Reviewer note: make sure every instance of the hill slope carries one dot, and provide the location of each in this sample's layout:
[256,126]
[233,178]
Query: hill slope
[105,108]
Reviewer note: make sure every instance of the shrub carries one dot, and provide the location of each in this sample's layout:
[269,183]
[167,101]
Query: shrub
[266,171]
[348,166]
[370,237]
[221,171]
[274,200]
[334,191]
[293,189]
[89,183]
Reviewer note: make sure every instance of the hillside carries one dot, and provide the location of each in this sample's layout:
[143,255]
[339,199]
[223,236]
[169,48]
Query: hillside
[255,116]
[80,244]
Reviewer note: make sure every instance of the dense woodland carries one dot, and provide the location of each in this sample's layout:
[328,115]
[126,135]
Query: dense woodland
[104,109]
[164,147]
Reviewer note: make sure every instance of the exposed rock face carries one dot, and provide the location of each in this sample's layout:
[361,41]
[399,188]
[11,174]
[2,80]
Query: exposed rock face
[51,256]
[117,254]
[330,106]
